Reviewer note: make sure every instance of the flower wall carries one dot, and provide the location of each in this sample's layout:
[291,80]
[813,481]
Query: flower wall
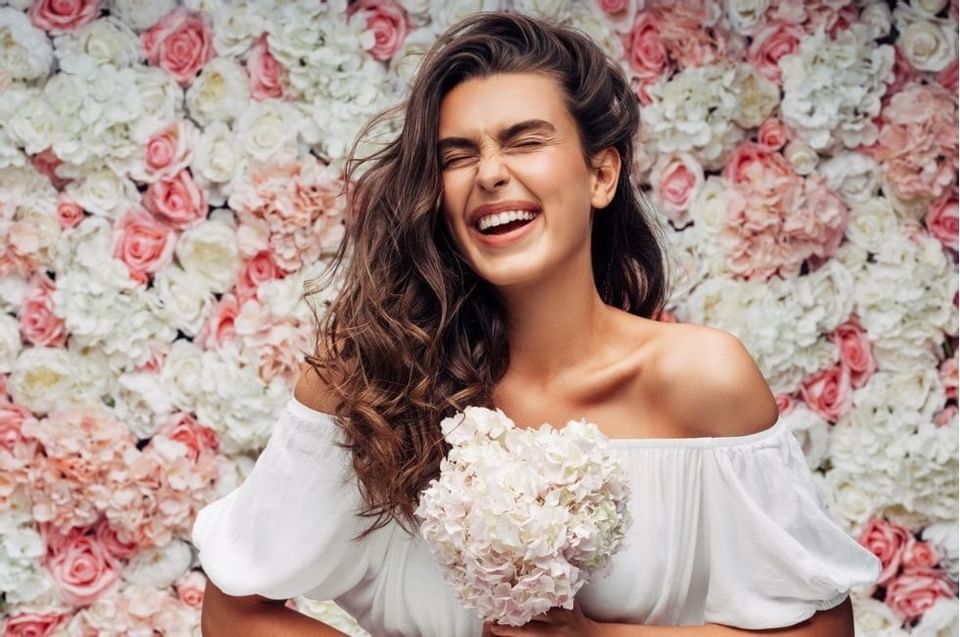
[169,179]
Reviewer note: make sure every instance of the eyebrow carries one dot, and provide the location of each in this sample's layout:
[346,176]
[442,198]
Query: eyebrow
[514,130]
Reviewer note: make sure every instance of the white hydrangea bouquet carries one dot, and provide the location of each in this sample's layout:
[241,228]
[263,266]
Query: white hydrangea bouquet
[521,518]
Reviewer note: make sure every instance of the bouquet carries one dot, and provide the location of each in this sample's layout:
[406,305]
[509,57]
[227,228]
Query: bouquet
[520,519]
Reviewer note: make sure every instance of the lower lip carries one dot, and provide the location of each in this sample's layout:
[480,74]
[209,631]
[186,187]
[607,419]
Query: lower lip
[507,237]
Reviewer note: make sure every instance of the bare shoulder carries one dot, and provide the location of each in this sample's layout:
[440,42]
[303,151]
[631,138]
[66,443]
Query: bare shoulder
[312,391]
[710,383]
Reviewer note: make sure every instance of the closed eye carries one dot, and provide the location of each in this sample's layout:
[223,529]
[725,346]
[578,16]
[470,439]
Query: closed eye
[525,144]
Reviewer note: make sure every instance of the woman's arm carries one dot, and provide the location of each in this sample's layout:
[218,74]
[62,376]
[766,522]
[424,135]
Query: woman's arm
[224,615]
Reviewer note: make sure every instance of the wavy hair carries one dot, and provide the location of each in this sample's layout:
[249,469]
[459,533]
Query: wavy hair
[412,334]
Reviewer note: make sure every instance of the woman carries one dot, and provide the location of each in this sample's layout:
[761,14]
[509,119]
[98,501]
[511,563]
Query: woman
[499,256]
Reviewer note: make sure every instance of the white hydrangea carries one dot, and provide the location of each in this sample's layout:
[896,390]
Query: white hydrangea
[444,14]
[238,25]
[852,176]
[512,506]
[141,14]
[159,567]
[694,111]
[141,402]
[22,577]
[26,53]
[186,298]
[108,40]
[33,125]
[181,372]
[832,88]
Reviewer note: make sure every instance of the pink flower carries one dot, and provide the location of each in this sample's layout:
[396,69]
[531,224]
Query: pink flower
[181,43]
[644,50]
[69,213]
[179,201]
[81,568]
[259,269]
[770,43]
[772,135]
[12,417]
[117,550]
[886,540]
[184,428]
[919,555]
[949,77]
[828,392]
[264,71]
[675,180]
[856,353]
[143,243]
[57,16]
[219,326]
[190,588]
[942,221]
[946,416]
[38,324]
[949,376]
[168,151]
[388,21]
[912,593]
[613,7]
[34,624]
[46,163]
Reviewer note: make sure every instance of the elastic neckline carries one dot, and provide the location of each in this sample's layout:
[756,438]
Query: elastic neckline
[308,413]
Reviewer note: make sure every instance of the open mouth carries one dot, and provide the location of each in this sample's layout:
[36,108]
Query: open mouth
[507,227]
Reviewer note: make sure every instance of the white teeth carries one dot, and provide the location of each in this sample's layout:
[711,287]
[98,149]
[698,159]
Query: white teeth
[500,218]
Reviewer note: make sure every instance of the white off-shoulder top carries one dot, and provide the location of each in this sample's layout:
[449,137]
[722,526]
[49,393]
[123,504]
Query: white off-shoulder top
[728,530]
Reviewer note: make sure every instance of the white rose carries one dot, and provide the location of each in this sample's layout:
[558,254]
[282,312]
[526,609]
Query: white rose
[871,224]
[853,176]
[267,131]
[847,500]
[10,343]
[104,192]
[26,53]
[12,290]
[801,157]
[878,18]
[45,378]
[217,160]
[407,60]
[745,14]
[186,298]
[141,14]
[827,312]
[237,25]
[209,250]
[160,567]
[181,373]
[105,41]
[929,44]
[930,7]
[874,617]
[220,93]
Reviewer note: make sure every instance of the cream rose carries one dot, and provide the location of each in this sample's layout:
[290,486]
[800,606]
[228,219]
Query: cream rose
[209,250]
[103,192]
[801,157]
[26,53]
[44,379]
[217,159]
[267,131]
[181,373]
[220,93]
[929,44]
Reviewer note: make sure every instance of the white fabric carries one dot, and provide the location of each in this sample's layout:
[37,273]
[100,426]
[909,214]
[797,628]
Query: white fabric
[727,530]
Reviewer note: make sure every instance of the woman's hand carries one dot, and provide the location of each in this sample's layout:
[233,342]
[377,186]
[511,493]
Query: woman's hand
[556,622]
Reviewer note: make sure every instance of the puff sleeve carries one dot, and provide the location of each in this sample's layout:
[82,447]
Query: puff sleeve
[775,555]
[287,529]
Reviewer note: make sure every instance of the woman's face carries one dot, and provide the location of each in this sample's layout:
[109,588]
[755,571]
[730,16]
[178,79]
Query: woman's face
[509,139]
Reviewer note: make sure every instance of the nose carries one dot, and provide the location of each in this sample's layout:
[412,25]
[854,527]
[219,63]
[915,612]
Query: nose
[492,172]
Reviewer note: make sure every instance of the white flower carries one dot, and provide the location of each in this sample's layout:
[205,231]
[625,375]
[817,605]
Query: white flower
[875,618]
[812,433]
[832,87]
[10,344]
[801,157]
[141,14]
[159,567]
[744,15]
[186,298]
[603,28]
[927,42]
[141,402]
[759,97]
[21,575]
[872,223]
[220,93]
[444,14]
[929,7]
[939,620]
[161,100]
[45,378]
[35,125]
[943,536]
[236,26]
[267,130]
[182,369]
[557,10]
[105,41]
[217,161]
[852,176]
[877,18]
[209,250]
[104,192]
[26,53]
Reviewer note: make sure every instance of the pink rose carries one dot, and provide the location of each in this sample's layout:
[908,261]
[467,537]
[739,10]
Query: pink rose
[942,221]
[115,548]
[772,135]
[168,151]
[828,392]
[856,353]
[12,416]
[46,163]
[179,200]
[750,161]
[34,624]
[81,567]
[886,540]
[388,21]
[919,555]
[57,16]
[38,324]
[911,594]
[69,214]
[183,428]
[613,7]
[949,77]
[675,180]
[190,589]
[264,71]
[260,269]
[946,416]
[143,243]
[785,403]
[949,375]
[770,43]
[645,51]
[180,43]
[219,325]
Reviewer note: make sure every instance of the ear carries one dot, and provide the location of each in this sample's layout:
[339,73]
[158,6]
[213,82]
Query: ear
[606,173]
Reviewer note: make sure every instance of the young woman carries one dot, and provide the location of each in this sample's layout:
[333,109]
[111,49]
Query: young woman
[499,255]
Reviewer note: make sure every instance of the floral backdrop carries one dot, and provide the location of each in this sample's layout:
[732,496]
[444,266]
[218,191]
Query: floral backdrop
[170,177]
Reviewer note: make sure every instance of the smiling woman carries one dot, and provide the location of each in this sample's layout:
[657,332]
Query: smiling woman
[501,256]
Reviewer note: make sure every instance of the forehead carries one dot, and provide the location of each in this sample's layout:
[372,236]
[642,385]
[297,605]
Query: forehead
[483,106]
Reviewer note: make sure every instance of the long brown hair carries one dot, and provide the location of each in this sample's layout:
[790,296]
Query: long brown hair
[413,334]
